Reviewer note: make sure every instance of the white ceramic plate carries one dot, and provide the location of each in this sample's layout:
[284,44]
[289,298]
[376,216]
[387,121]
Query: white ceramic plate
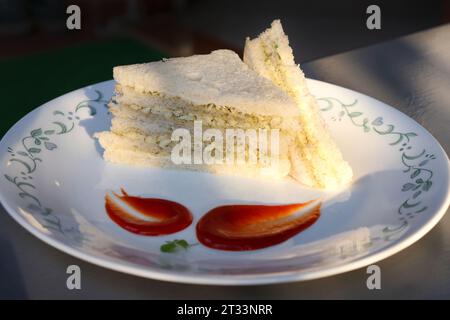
[53,182]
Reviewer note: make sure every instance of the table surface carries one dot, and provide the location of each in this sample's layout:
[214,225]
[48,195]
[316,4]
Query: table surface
[410,73]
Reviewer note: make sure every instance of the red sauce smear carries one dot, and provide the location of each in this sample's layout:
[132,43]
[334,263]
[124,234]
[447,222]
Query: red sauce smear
[169,217]
[251,227]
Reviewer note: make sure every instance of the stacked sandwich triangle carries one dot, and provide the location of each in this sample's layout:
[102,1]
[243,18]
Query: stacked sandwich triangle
[265,91]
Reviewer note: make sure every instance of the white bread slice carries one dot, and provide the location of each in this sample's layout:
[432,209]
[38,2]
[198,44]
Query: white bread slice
[271,57]
[219,77]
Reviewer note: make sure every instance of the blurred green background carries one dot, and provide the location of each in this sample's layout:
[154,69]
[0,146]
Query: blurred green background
[35,79]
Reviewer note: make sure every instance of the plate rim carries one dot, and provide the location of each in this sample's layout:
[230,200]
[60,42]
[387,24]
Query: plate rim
[220,279]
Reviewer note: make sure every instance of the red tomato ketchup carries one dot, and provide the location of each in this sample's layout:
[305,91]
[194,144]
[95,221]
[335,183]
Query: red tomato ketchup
[167,217]
[251,227]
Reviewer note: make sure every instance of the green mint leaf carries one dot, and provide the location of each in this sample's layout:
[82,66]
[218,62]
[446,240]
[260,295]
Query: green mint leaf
[175,245]
[168,247]
[182,243]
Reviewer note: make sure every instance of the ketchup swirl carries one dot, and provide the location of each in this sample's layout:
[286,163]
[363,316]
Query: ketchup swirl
[167,217]
[250,227]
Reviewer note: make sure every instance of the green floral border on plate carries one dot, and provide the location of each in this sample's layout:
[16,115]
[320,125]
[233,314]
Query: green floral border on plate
[28,155]
[39,140]
[420,177]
